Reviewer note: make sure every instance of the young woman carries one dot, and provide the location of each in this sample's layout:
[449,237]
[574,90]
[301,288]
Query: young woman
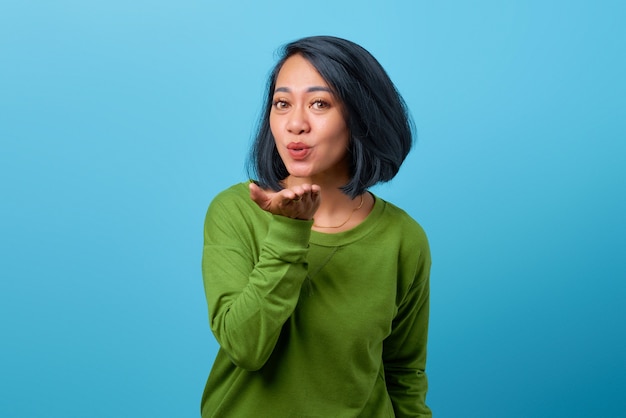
[318,291]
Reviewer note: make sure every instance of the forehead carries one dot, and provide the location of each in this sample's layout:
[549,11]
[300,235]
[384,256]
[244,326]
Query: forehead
[298,71]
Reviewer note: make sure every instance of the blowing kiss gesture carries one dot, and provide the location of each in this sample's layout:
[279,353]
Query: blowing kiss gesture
[298,202]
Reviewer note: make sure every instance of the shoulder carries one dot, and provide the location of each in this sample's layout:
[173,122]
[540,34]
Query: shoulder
[402,232]
[236,197]
[233,215]
[230,205]
[234,193]
[410,240]
[404,225]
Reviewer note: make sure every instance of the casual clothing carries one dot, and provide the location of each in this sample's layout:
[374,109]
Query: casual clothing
[313,324]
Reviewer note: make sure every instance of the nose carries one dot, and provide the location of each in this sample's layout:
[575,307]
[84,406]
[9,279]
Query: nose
[298,122]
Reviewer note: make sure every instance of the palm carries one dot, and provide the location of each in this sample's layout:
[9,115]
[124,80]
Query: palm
[299,202]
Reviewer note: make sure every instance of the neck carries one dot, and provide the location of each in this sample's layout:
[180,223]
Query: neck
[339,212]
[346,223]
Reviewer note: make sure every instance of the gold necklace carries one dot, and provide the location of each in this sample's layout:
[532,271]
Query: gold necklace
[346,221]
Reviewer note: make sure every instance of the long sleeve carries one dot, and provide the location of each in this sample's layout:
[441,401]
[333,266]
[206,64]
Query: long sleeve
[353,343]
[251,289]
[404,351]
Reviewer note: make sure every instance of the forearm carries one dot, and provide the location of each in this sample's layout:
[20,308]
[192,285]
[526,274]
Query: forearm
[250,300]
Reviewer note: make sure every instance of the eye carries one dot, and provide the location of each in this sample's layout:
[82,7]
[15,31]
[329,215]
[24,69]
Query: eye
[320,104]
[280,104]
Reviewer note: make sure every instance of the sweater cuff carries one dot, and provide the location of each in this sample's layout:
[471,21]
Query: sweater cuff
[294,233]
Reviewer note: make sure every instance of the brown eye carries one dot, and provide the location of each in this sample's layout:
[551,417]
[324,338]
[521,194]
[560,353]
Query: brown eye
[280,104]
[320,104]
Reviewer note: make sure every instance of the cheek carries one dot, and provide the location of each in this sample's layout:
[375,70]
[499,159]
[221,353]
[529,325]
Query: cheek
[275,123]
[341,128]
[342,136]
[335,128]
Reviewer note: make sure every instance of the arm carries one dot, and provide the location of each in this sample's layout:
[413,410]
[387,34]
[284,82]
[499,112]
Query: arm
[251,291]
[404,351]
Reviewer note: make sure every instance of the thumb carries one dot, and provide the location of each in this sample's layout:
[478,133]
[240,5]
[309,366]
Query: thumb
[258,195]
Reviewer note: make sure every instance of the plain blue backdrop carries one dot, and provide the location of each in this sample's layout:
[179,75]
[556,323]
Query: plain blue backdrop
[121,120]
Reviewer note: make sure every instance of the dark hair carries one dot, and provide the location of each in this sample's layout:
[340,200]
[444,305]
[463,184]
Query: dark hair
[376,115]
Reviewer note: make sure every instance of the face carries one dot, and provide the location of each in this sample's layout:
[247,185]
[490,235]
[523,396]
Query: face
[308,124]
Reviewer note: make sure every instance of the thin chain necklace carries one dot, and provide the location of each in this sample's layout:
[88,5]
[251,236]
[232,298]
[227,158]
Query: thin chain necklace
[346,221]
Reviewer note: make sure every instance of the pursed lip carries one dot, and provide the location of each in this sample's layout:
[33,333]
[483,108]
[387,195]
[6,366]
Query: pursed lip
[298,150]
[297,146]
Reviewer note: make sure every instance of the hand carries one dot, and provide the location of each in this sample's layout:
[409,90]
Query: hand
[298,202]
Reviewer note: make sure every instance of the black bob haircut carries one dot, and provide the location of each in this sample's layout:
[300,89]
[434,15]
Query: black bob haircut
[376,115]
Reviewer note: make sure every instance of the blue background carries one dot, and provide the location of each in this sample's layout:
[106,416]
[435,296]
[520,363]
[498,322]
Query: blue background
[119,122]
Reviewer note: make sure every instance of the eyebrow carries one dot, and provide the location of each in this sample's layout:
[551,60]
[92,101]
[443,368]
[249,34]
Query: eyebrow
[309,90]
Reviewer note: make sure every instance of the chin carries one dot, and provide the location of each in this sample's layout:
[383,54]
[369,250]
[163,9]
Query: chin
[300,175]
[300,171]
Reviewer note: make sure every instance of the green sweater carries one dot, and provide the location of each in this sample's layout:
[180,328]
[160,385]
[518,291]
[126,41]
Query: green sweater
[312,324]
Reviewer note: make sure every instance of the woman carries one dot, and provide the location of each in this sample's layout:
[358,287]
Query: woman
[318,291]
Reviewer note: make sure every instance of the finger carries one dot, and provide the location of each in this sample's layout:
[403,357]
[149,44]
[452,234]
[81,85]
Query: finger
[306,188]
[285,198]
[302,192]
[297,191]
[256,193]
[287,195]
[315,192]
[259,196]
